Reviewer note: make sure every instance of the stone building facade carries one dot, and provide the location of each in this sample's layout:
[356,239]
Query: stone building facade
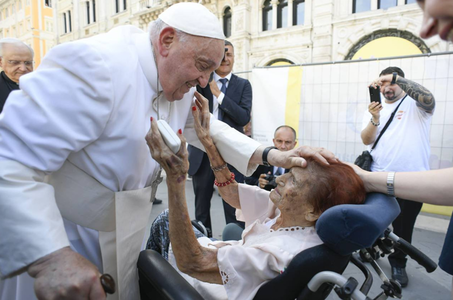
[265,32]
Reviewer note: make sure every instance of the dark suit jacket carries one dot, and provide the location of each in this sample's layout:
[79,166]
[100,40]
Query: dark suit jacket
[235,111]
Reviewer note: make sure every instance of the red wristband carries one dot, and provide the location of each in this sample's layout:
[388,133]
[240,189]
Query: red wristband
[231,180]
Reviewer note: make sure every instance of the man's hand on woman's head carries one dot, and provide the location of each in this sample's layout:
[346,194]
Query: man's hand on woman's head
[296,157]
[175,165]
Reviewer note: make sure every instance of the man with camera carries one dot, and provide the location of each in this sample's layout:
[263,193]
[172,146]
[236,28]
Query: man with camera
[264,176]
[230,100]
[403,146]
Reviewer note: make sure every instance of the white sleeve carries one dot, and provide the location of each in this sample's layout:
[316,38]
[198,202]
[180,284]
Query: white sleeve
[236,148]
[255,204]
[62,107]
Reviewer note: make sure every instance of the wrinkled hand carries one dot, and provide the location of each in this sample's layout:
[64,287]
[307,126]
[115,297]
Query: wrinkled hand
[374,108]
[202,118]
[295,157]
[175,165]
[65,274]
[214,88]
[262,182]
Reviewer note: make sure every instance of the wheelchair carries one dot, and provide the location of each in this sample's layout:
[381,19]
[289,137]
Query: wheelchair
[351,233]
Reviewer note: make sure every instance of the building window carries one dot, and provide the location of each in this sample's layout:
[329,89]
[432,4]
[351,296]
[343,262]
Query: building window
[94,10]
[69,21]
[48,3]
[385,4]
[124,4]
[227,22]
[267,15]
[361,6]
[298,12]
[88,12]
[117,6]
[282,14]
[64,23]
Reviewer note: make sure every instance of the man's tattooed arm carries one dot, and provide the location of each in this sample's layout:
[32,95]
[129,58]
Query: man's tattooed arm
[419,93]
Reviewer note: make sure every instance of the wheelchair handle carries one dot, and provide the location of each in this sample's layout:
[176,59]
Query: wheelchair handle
[413,252]
[335,278]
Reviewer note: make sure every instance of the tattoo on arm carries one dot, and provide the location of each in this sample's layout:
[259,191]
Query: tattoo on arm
[422,95]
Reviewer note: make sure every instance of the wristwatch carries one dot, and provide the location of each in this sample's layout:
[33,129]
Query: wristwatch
[265,153]
[394,78]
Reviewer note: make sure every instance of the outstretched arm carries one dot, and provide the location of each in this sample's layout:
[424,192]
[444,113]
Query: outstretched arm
[192,258]
[433,187]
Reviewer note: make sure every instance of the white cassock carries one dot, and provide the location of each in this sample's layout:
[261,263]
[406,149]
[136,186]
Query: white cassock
[82,117]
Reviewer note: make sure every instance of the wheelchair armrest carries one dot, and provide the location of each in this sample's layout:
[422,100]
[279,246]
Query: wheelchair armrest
[159,280]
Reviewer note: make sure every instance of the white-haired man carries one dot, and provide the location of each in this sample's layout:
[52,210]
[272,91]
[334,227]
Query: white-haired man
[87,130]
[16,59]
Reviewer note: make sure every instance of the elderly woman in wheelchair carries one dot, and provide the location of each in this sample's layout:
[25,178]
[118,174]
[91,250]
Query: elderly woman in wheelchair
[279,224]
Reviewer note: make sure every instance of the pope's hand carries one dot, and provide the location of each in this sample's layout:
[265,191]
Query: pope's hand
[296,157]
[65,274]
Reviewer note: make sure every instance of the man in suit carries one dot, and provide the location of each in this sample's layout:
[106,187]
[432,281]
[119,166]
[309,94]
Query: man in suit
[284,140]
[230,100]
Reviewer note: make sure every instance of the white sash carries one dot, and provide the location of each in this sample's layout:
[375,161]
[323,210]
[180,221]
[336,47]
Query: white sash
[120,218]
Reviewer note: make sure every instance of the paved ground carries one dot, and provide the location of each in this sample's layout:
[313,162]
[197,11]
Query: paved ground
[428,237]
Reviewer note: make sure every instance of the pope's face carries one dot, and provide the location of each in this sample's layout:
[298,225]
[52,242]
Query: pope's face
[16,61]
[188,63]
[437,19]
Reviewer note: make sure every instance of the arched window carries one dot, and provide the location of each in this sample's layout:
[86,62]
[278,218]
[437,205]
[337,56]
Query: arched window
[298,12]
[282,14]
[227,22]
[384,4]
[267,15]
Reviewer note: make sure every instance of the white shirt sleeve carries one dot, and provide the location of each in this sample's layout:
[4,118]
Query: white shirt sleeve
[62,107]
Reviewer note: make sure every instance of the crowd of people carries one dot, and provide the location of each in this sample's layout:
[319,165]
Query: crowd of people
[77,180]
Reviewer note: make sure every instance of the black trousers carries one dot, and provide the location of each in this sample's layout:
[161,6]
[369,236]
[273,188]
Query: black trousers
[403,226]
[203,186]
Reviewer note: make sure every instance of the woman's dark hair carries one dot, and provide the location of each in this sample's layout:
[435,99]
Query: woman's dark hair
[332,185]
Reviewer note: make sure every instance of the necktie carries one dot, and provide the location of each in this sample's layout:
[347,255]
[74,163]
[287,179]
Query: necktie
[224,82]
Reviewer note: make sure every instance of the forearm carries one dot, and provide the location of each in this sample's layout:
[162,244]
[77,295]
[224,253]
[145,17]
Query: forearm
[419,93]
[433,187]
[369,133]
[222,174]
[191,257]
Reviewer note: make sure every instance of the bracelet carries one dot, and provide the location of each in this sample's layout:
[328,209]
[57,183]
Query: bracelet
[375,124]
[218,169]
[391,184]
[265,153]
[231,180]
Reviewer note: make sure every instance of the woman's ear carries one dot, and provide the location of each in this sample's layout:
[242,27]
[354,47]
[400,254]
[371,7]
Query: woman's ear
[311,216]
[167,38]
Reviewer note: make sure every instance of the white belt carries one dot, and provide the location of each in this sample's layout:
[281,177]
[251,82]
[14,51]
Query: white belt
[120,218]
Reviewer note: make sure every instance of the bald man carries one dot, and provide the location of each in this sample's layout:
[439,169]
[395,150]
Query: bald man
[16,59]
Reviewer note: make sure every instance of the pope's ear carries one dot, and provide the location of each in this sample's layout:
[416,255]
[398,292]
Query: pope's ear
[167,38]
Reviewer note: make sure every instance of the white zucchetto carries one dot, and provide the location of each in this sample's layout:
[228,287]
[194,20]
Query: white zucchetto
[194,19]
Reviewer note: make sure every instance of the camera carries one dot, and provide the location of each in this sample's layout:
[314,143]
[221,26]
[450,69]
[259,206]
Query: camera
[271,184]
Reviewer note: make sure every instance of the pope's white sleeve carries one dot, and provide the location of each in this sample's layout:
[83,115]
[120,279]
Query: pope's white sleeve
[236,148]
[62,107]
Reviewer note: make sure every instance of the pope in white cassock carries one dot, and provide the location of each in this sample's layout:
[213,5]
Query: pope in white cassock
[81,118]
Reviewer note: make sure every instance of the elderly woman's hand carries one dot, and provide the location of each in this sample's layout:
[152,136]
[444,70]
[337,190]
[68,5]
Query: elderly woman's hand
[202,117]
[175,165]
